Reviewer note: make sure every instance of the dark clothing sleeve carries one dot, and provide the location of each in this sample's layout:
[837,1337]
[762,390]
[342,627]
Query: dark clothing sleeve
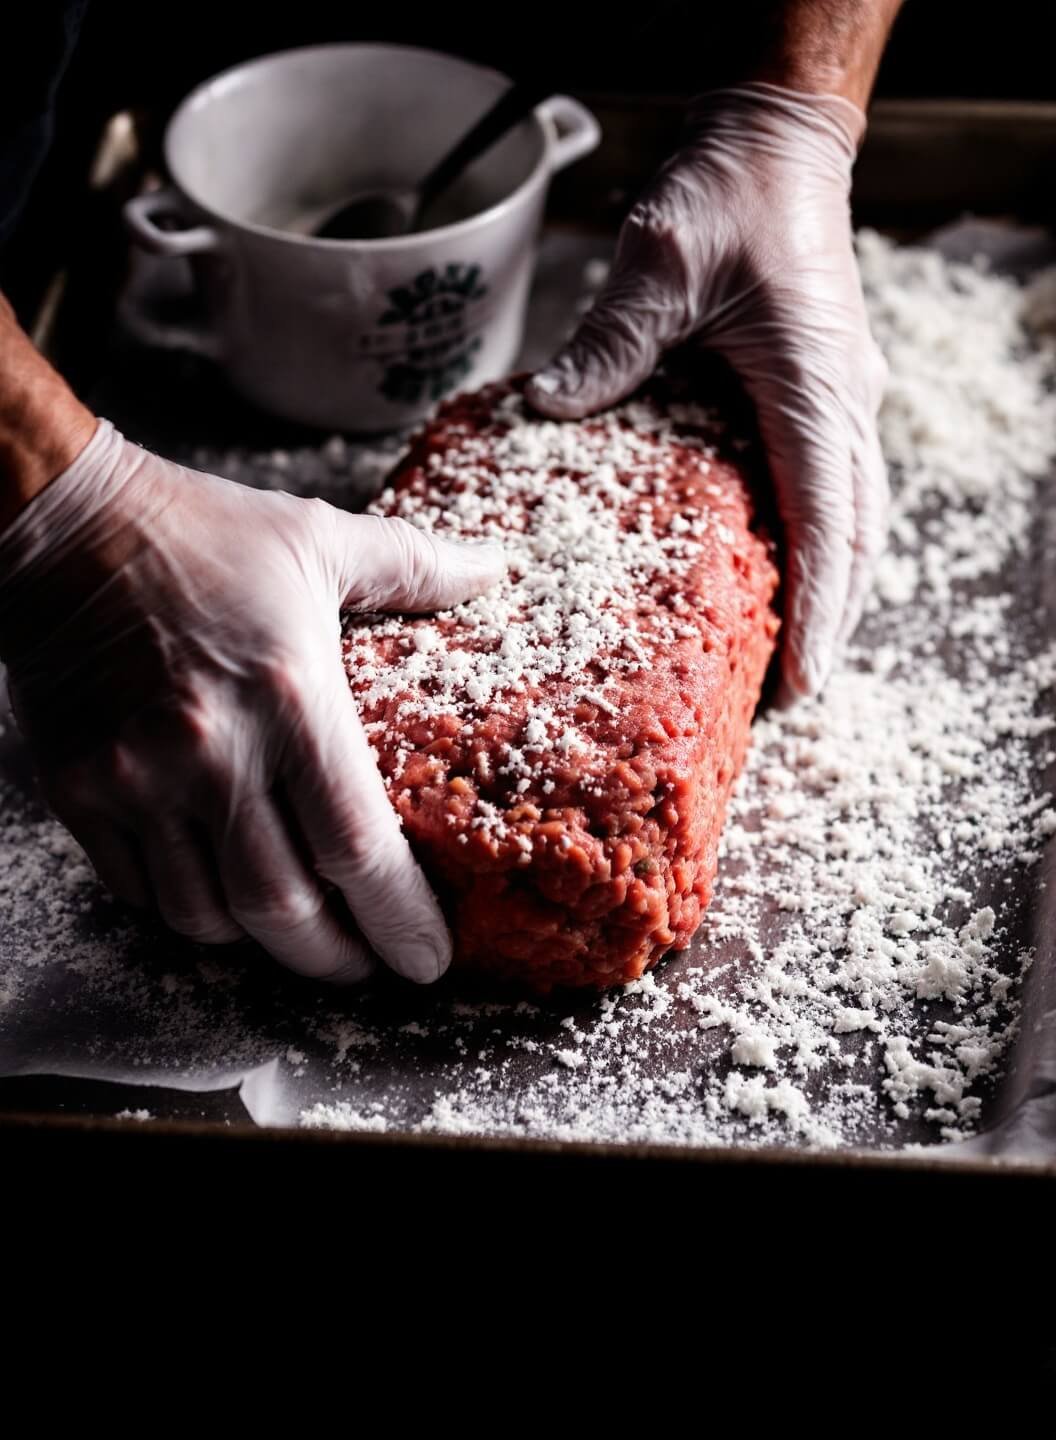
[37,40]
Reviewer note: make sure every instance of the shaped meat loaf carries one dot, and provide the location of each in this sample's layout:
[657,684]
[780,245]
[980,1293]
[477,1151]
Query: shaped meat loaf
[561,750]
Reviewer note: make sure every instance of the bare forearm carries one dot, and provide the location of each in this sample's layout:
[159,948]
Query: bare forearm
[43,426]
[823,46]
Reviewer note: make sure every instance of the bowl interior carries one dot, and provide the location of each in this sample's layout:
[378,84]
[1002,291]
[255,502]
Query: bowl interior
[283,141]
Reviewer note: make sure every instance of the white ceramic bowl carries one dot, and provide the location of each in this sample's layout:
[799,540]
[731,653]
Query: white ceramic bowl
[352,334]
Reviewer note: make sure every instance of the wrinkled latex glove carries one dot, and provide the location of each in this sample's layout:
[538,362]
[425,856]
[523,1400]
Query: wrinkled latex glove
[173,651]
[743,243]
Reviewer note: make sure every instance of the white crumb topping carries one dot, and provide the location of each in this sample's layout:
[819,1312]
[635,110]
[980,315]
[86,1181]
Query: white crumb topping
[585,519]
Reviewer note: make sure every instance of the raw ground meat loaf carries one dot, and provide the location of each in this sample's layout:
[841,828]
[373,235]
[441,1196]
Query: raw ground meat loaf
[561,750]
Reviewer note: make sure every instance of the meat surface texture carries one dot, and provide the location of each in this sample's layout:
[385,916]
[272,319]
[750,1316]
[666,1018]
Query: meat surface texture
[561,750]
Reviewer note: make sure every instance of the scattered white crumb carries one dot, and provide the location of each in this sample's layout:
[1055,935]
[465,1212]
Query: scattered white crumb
[341,1115]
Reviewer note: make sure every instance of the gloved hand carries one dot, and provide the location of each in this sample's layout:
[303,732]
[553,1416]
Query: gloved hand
[743,242]
[173,649]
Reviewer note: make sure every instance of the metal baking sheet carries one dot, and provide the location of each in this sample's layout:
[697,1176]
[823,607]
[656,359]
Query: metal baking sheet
[87,991]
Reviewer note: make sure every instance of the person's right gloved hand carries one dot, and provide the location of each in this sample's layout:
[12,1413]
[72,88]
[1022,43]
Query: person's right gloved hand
[173,650]
[742,244]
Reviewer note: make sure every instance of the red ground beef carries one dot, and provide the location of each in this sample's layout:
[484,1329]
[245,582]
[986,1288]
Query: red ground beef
[561,750]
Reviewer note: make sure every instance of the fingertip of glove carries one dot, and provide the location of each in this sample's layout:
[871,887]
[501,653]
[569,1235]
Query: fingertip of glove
[481,565]
[544,385]
[556,394]
[803,675]
[422,961]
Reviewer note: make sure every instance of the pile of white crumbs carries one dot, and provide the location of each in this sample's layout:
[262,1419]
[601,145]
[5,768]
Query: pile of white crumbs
[857,979]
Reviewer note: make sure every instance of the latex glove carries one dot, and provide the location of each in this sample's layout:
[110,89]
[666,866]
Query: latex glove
[173,647]
[743,242]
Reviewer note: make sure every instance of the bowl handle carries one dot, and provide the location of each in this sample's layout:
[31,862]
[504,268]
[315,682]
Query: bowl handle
[141,216]
[575,131]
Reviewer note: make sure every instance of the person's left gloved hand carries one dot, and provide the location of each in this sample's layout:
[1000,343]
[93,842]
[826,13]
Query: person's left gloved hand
[173,644]
[743,244]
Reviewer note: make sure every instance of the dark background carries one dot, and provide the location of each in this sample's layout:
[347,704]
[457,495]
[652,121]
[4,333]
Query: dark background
[147,56]
[134,51]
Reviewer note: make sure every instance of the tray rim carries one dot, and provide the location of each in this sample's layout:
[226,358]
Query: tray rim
[930,1160]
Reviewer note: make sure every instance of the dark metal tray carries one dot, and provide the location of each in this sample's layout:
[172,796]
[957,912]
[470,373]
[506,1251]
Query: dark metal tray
[998,158]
